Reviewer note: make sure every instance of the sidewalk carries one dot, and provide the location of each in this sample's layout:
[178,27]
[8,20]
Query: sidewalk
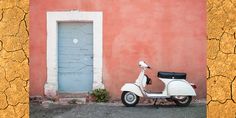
[117,110]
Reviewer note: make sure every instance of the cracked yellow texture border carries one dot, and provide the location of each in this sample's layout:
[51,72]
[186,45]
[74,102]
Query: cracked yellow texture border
[221,59]
[14,59]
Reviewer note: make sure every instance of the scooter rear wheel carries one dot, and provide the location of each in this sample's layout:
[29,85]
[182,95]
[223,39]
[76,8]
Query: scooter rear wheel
[182,101]
[129,99]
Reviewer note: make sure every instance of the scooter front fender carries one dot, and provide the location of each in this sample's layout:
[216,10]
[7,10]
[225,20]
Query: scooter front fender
[132,88]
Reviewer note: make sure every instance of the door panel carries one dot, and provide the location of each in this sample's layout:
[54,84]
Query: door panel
[75,56]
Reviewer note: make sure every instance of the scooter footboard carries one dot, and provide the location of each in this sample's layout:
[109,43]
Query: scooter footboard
[180,88]
[132,88]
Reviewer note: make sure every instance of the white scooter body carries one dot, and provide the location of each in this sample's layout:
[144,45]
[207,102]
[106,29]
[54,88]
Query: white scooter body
[173,87]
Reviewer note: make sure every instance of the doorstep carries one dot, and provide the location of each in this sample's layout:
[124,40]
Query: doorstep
[73,98]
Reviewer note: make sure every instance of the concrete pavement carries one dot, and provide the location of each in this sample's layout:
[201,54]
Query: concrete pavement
[108,110]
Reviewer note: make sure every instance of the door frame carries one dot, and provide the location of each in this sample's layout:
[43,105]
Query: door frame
[51,85]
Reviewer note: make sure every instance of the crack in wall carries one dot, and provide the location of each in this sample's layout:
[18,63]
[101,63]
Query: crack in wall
[13,60]
[209,73]
[231,89]
[221,55]
[1,15]
[235,49]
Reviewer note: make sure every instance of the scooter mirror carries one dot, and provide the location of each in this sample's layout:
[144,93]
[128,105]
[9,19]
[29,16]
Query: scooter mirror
[143,64]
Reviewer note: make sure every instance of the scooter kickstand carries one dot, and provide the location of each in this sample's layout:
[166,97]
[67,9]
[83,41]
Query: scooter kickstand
[155,103]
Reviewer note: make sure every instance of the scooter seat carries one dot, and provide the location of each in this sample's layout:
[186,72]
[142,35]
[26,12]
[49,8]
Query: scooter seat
[171,75]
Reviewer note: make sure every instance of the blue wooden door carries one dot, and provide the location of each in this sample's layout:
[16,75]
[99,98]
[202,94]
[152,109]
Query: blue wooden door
[75,57]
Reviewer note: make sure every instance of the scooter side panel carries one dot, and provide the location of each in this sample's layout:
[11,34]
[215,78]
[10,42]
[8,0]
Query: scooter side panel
[132,88]
[180,88]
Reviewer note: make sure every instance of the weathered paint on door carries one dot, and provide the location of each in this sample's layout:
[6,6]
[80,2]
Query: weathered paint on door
[75,56]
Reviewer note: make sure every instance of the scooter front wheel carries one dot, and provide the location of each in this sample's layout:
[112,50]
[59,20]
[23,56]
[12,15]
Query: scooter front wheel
[129,99]
[182,101]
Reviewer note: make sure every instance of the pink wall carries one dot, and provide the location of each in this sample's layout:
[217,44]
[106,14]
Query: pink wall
[170,35]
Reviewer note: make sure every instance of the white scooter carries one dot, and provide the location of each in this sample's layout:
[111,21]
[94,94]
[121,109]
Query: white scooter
[176,89]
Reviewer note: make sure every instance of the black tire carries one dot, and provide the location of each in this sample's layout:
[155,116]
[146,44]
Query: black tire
[183,102]
[126,102]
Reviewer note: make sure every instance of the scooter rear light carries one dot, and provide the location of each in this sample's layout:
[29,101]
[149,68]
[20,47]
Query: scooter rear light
[193,85]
